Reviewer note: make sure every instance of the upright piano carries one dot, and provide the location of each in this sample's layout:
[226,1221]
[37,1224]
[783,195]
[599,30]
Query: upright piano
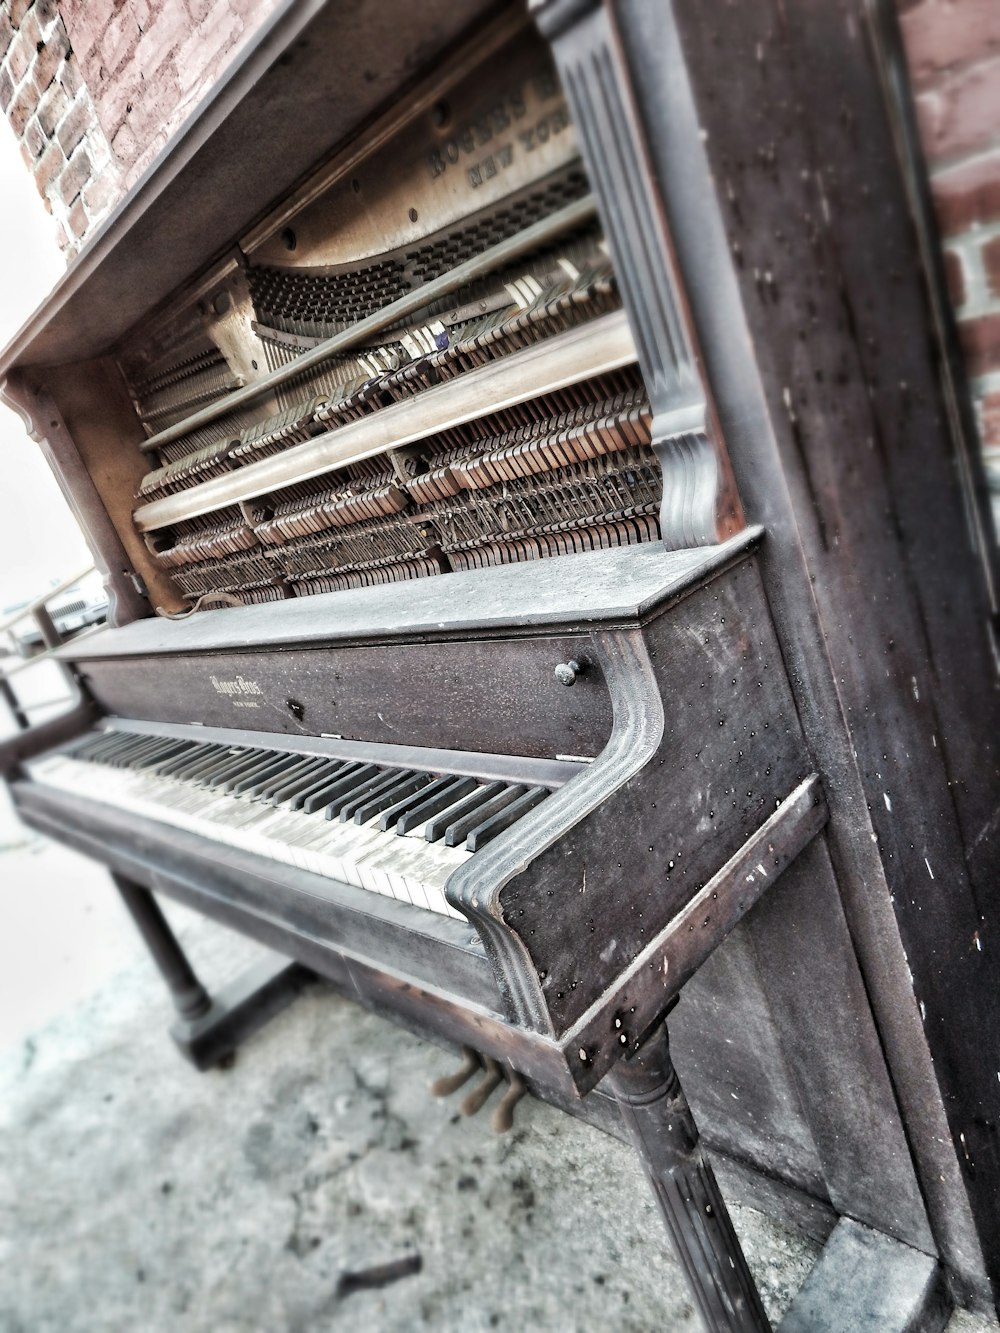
[550,584]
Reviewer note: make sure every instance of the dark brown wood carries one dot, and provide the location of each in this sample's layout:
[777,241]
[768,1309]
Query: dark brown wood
[499,697]
[795,219]
[698,782]
[190,998]
[659,1122]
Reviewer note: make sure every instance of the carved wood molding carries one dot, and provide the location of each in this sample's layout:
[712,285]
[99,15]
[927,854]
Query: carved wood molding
[628,673]
[700,504]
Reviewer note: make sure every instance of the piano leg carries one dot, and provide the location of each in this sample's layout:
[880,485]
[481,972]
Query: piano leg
[208,1030]
[662,1128]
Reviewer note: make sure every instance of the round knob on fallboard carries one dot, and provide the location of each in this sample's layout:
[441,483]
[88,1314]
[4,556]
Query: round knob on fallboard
[567,672]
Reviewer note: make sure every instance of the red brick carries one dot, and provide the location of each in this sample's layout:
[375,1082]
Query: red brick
[23,105]
[70,77]
[990,251]
[161,39]
[18,9]
[119,40]
[124,145]
[46,11]
[51,164]
[943,37]
[76,124]
[6,90]
[205,50]
[50,57]
[955,277]
[34,139]
[62,238]
[989,420]
[31,32]
[6,34]
[981,340]
[103,191]
[968,194]
[200,9]
[85,22]
[51,109]
[115,100]
[77,219]
[962,115]
[19,57]
[75,176]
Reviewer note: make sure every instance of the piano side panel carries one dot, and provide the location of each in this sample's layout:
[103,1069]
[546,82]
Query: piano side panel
[100,418]
[730,753]
[498,696]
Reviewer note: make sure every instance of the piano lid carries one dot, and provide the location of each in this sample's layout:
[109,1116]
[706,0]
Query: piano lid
[621,585]
[241,149]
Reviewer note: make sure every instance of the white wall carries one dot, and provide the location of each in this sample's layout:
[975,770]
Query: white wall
[39,539]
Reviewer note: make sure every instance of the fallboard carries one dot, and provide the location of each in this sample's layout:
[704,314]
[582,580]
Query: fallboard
[469,667]
[480,694]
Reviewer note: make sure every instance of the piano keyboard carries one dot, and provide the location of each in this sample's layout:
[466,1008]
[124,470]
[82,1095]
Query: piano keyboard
[386,829]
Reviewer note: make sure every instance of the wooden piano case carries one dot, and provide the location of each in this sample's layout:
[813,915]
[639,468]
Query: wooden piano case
[801,665]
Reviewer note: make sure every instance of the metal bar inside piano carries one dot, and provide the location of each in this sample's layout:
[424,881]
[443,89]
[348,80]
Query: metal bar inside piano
[594,349]
[530,238]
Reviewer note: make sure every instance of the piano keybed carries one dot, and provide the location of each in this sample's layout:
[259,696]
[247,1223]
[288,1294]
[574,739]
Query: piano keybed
[386,828]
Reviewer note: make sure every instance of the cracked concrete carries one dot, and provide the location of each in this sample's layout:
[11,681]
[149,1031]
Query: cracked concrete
[136,1193]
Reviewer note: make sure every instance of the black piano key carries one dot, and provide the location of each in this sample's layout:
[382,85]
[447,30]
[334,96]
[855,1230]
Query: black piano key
[452,790]
[168,750]
[91,746]
[390,816]
[272,764]
[120,757]
[300,791]
[345,782]
[393,815]
[459,830]
[404,782]
[488,830]
[191,749]
[386,781]
[213,778]
[135,753]
[437,827]
[355,789]
[299,767]
[295,767]
[198,774]
[192,763]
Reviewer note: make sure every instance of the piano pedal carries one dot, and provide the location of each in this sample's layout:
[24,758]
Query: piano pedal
[478,1097]
[502,1119]
[494,1073]
[444,1087]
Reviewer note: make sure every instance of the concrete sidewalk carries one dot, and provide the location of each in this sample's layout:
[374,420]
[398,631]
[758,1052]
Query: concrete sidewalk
[138,1194]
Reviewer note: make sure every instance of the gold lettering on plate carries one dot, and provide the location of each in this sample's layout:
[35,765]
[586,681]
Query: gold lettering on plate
[516,111]
[237,689]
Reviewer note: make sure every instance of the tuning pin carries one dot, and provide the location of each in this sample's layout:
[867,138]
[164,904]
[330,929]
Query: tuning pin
[477,1098]
[503,1117]
[444,1087]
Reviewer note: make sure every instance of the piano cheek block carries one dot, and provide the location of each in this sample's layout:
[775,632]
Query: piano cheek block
[642,864]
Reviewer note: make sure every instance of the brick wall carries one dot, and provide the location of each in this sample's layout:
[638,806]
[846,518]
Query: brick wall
[48,105]
[94,89]
[953,49]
